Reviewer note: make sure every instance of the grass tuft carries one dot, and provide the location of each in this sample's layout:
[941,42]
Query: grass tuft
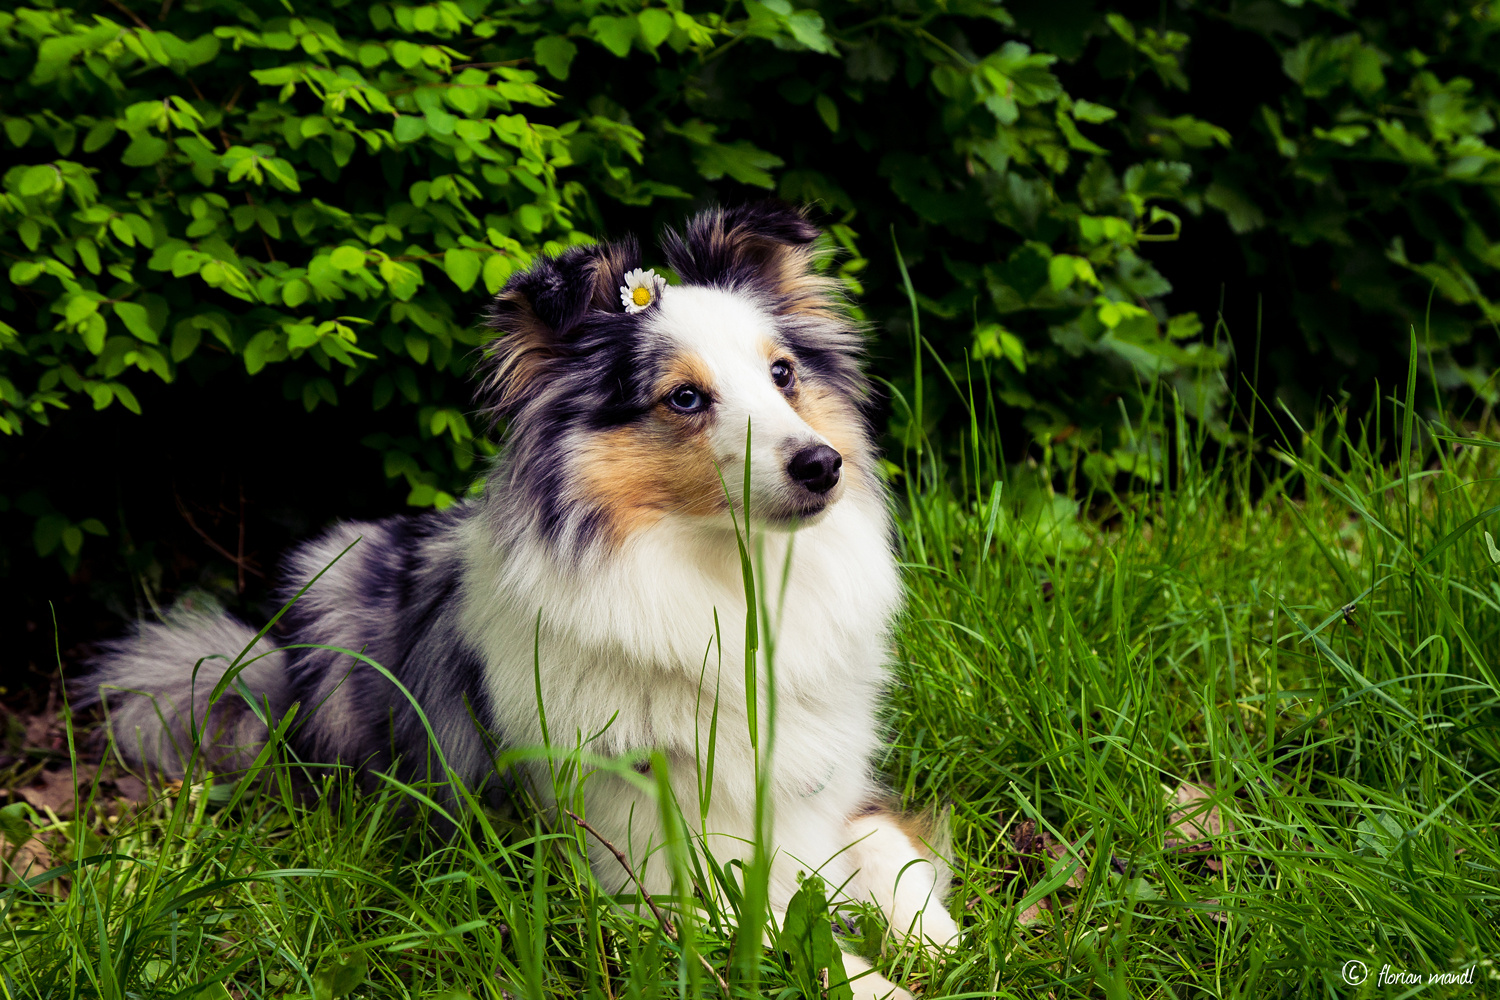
[1203,739]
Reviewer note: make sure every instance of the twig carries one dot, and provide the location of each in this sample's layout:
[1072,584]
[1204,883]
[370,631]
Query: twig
[166,5]
[491,65]
[263,237]
[130,14]
[241,562]
[661,918]
[192,83]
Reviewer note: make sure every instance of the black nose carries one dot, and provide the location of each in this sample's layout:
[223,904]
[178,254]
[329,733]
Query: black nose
[816,468]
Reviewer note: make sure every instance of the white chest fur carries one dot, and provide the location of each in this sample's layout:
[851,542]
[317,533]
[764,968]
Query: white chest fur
[628,657]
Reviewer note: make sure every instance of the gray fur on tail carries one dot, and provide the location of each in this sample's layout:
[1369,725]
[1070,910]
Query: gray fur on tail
[156,700]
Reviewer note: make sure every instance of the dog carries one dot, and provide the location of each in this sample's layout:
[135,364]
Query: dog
[594,572]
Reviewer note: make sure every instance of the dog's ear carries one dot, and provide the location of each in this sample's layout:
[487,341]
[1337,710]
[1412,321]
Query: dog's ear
[538,310]
[766,246]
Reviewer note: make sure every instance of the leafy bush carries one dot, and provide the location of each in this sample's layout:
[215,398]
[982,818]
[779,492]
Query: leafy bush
[325,199]
[217,202]
[1350,181]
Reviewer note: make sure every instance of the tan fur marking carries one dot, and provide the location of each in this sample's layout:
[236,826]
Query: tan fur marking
[521,352]
[788,270]
[609,270]
[639,473]
[832,417]
[803,290]
[685,369]
[922,829]
[526,344]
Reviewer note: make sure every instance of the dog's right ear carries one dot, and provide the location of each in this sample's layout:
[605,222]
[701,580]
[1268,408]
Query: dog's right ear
[538,311]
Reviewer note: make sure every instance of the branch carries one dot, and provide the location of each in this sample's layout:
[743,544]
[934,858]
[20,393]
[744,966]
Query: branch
[239,561]
[661,918]
[130,14]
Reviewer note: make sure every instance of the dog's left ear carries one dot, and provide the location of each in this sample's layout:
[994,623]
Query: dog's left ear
[766,246]
[538,312]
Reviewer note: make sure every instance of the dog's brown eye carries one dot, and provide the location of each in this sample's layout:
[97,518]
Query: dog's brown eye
[781,374]
[687,399]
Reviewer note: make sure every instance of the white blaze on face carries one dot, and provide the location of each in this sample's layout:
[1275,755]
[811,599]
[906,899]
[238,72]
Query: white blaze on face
[734,340]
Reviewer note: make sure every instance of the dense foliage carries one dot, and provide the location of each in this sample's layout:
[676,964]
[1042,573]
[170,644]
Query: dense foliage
[1350,191]
[270,229]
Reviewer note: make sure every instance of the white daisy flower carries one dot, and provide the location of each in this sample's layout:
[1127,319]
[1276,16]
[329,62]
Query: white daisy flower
[641,288]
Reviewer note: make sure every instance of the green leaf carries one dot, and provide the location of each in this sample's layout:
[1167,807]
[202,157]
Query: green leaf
[88,254]
[1184,327]
[1408,147]
[531,217]
[296,292]
[742,160]
[260,351]
[16,821]
[409,128]
[127,398]
[284,173]
[47,533]
[137,321]
[339,977]
[1243,214]
[463,267]
[1344,135]
[99,135]
[143,151]
[347,258]
[18,131]
[418,347]
[92,332]
[773,18]
[1087,111]
[407,55]
[656,24]
[555,53]
[39,180]
[614,33]
[24,272]
[497,270]
[828,111]
[807,938]
[79,308]
[185,340]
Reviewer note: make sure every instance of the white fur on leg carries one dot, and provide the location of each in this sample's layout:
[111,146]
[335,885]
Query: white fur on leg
[900,879]
[870,985]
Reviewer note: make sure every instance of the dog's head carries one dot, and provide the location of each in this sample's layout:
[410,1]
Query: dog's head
[618,419]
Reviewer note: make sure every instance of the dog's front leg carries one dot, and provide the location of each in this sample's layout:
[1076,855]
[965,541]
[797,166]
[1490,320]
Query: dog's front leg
[898,876]
[869,984]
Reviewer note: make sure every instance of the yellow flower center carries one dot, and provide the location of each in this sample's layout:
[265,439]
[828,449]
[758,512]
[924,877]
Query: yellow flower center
[640,295]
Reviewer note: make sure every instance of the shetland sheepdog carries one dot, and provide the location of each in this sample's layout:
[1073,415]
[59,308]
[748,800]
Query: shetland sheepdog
[594,571]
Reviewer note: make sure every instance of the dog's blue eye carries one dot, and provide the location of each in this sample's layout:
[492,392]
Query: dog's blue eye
[686,399]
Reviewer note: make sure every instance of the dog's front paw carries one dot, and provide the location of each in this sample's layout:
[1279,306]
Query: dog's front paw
[933,931]
[868,984]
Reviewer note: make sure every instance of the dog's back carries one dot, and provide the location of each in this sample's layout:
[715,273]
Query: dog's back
[379,593]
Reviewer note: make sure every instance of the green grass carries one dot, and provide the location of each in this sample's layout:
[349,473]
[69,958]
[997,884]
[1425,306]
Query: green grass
[1067,672]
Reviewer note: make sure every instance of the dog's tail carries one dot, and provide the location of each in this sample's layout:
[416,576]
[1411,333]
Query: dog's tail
[158,685]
